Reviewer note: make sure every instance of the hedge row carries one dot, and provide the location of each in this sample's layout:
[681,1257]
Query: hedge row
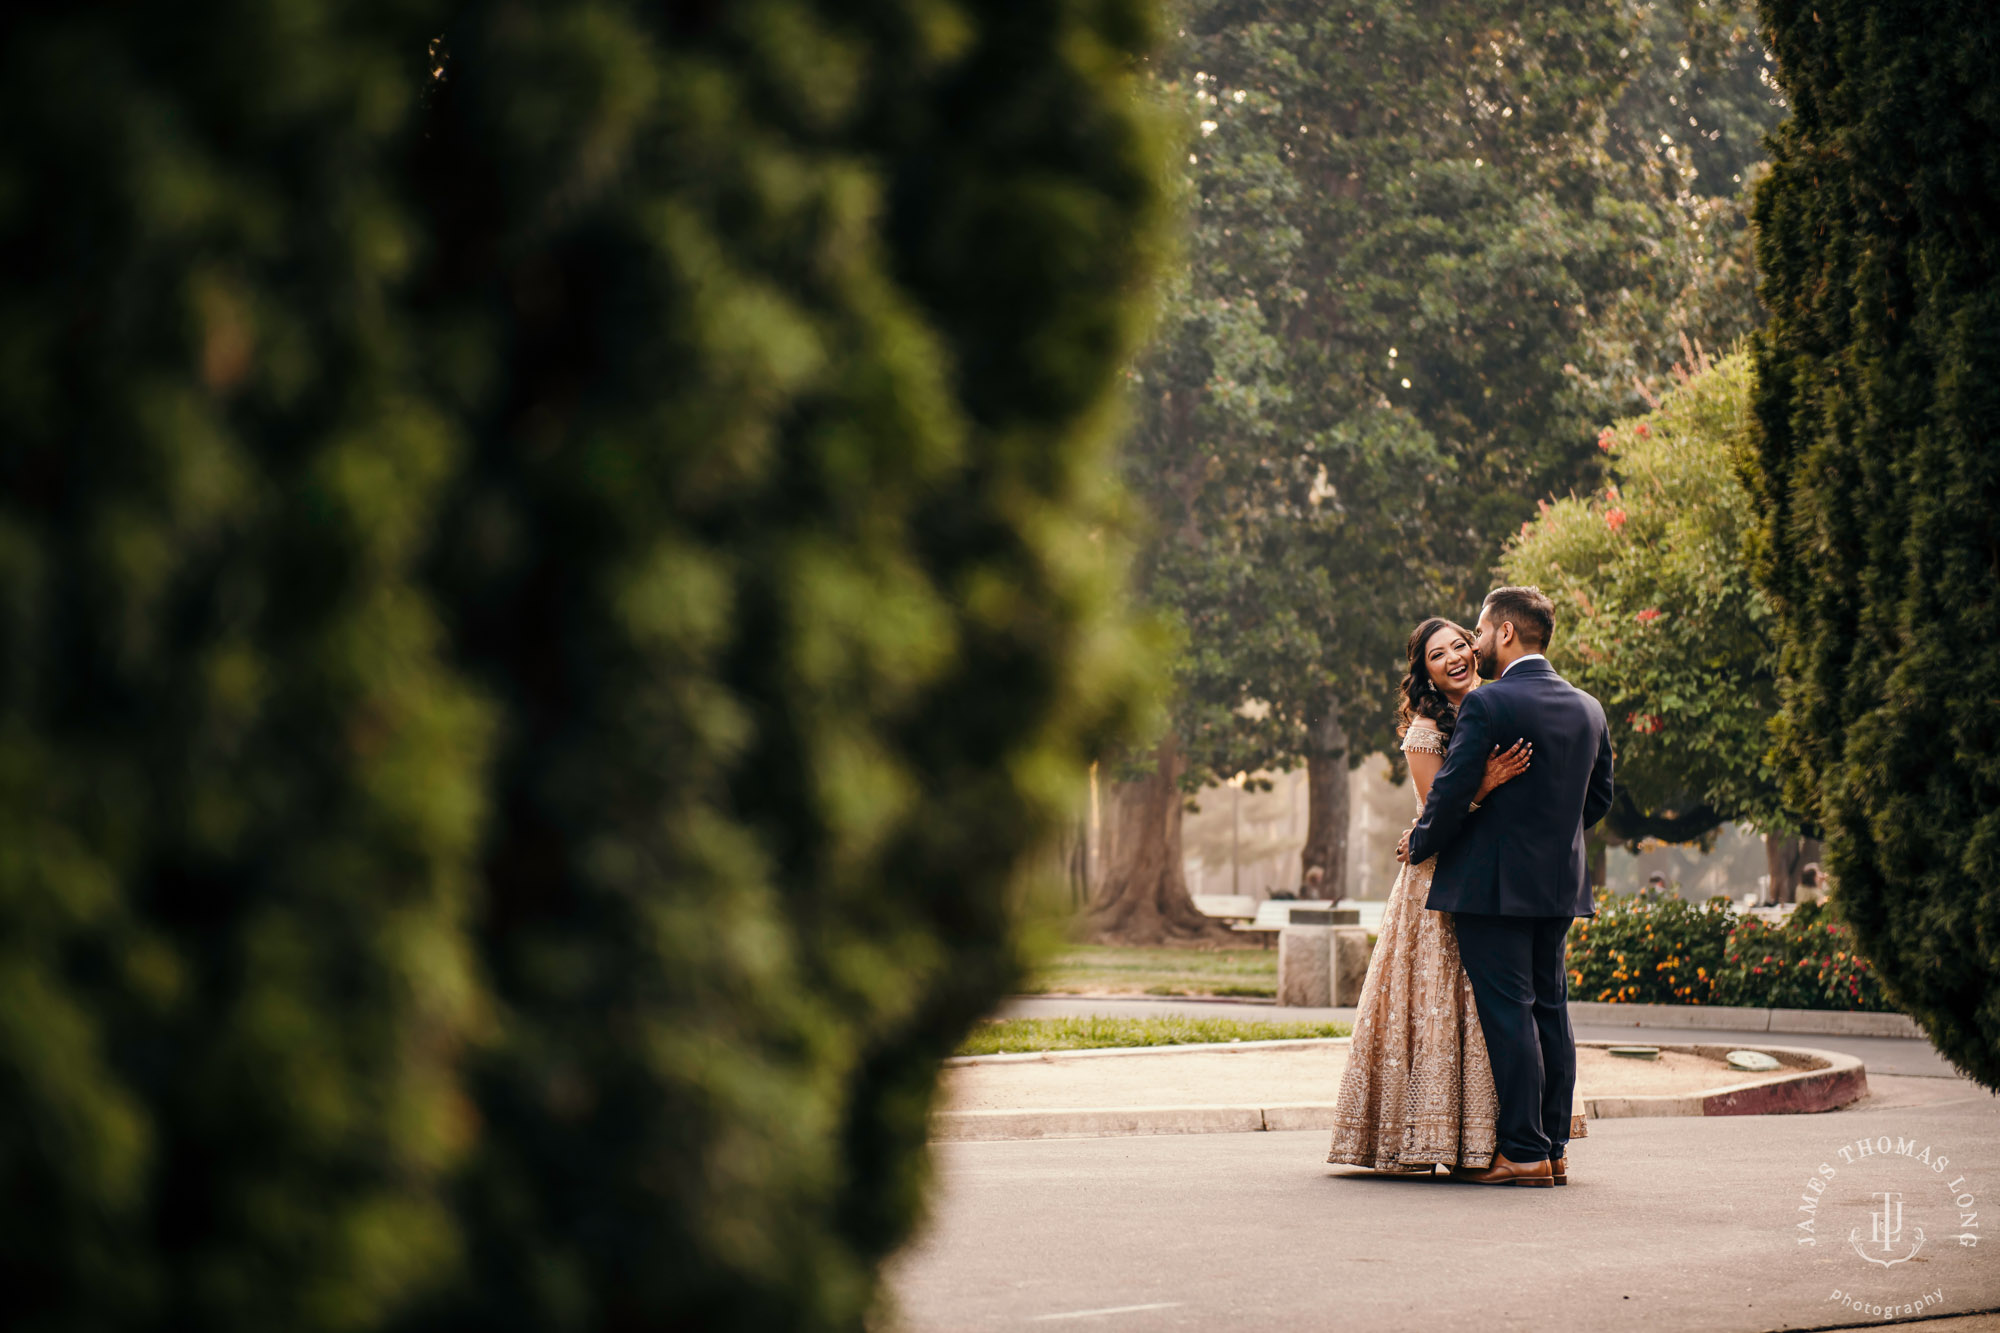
[1646,949]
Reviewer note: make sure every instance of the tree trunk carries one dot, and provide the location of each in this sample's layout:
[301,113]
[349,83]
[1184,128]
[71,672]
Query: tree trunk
[1144,898]
[1327,811]
[1597,855]
[1785,854]
[1073,850]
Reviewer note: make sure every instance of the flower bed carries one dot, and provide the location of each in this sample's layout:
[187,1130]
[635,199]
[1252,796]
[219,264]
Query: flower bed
[1650,949]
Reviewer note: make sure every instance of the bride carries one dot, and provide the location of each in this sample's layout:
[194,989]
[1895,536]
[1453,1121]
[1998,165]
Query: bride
[1418,1091]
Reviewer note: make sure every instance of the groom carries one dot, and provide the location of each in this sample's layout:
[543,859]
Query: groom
[1512,874]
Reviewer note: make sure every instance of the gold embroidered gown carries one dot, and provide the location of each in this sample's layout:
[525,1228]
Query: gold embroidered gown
[1418,1090]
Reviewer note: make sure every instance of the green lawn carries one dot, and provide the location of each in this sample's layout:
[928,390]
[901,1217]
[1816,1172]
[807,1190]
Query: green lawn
[1004,1035]
[1105,970]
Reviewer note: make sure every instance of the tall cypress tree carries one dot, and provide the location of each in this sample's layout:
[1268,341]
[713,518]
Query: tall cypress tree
[240,782]
[789,336]
[553,568]
[1879,481]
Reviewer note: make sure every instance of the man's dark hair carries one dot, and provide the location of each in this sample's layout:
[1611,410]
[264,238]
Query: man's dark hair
[1529,610]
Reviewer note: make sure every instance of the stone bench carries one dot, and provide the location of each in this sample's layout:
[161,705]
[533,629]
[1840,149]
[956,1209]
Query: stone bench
[1226,906]
[1275,915]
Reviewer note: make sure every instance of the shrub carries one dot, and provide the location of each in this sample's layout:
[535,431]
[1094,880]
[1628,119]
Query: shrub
[1645,949]
[1642,949]
[1807,963]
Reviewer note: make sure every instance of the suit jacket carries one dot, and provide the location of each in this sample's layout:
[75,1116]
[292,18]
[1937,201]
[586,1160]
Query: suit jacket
[1521,853]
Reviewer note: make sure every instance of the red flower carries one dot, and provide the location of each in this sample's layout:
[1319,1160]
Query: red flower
[1604,439]
[1615,517]
[1643,429]
[1649,615]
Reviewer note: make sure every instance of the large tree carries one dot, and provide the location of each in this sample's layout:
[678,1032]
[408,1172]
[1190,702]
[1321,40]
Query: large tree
[542,627]
[1429,247]
[1658,617]
[1878,481]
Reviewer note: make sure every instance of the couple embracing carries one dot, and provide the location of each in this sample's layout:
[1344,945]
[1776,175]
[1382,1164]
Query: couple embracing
[1462,1054]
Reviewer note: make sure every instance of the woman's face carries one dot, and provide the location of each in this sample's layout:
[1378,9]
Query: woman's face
[1450,660]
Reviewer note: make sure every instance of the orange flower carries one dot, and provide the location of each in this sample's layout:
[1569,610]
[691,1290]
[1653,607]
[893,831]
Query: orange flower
[1615,518]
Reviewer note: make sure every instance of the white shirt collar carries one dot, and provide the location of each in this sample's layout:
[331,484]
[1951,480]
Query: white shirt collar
[1524,657]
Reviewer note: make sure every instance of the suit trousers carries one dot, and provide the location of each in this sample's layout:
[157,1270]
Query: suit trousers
[1521,987]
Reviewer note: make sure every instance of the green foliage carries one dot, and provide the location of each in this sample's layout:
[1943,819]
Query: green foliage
[241,783]
[1657,615]
[1429,247]
[1001,1036]
[1808,963]
[1647,949]
[546,617]
[1879,489]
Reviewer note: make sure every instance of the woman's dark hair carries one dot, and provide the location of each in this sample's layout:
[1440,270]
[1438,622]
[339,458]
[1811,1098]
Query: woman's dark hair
[1419,694]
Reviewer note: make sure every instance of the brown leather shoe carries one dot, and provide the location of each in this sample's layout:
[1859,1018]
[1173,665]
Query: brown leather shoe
[1504,1172]
[1559,1170]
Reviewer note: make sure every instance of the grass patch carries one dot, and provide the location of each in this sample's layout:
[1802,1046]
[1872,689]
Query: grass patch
[1110,970]
[1003,1036]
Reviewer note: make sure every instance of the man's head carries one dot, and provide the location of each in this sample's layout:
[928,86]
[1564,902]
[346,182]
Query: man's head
[1513,623]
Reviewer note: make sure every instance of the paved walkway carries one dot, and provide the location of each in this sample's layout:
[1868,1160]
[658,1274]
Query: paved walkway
[1670,1225]
[1883,1055]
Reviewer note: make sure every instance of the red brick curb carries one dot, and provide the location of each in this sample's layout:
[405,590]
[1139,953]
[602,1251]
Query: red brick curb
[1812,1081]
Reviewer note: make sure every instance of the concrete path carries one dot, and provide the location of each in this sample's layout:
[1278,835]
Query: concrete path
[1883,1055]
[1670,1225]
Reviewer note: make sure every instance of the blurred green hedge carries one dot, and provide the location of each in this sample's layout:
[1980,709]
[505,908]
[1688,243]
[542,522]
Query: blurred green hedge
[1878,485]
[554,563]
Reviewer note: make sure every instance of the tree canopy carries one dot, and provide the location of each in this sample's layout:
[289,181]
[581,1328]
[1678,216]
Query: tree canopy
[1878,484]
[1428,249]
[1657,615]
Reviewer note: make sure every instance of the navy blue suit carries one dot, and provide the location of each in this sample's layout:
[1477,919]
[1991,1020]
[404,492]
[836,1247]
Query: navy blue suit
[1513,875]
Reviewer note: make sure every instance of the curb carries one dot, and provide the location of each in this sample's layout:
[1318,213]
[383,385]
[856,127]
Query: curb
[1710,1017]
[1824,1022]
[1813,1081]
